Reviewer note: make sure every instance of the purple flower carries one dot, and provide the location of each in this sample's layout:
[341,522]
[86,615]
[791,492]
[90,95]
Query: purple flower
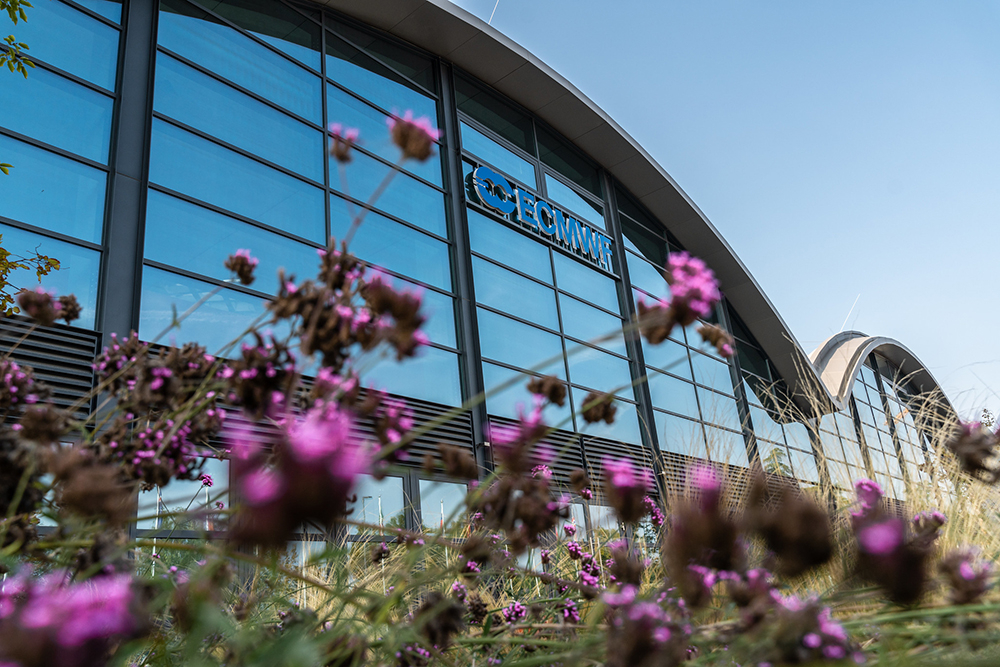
[514,613]
[206,480]
[574,550]
[869,493]
[343,140]
[570,612]
[626,486]
[570,529]
[542,471]
[693,287]
[881,538]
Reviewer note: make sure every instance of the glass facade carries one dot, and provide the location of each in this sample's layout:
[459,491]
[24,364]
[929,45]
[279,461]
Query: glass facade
[240,97]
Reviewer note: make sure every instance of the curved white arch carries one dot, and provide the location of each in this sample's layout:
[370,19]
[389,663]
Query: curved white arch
[839,358]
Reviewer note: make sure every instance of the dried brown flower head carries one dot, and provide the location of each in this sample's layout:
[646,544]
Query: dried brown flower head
[550,387]
[794,527]
[718,338]
[439,618]
[599,406]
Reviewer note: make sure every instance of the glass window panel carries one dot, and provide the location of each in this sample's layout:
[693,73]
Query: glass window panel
[215,323]
[845,424]
[196,35]
[72,41]
[182,496]
[415,66]
[680,435]
[55,110]
[859,390]
[669,393]
[109,9]
[405,197]
[625,427]
[374,81]
[830,446]
[720,410]
[494,239]
[374,135]
[764,426]
[515,398]
[865,412]
[379,502]
[276,24]
[439,309]
[754,389]
[519,296]
[805,465]
[79,269]
[184,162]
[797,436]
[495,114]
[197,239]
[505,160]
[668,356]
[712,373]
[410,376]
[565,159]
[752,360]
[647,277]
[878,461]
[579,279]
[587,323]
[604,524]
[840,475]
[506,340]
[726,447]
[53,192]
[441,504]
[648,244]
[774,458]
[205,104]
[564,197]
[599,370]
[868,375]
[871,437]
[394,246]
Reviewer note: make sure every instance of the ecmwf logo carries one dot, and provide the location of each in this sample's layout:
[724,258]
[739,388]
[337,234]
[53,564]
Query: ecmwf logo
[496,193]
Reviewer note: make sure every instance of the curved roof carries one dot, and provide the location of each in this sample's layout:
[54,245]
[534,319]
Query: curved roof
[839,359]
[455,35]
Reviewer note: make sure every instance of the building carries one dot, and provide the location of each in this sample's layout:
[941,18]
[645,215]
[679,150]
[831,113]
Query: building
[152,140]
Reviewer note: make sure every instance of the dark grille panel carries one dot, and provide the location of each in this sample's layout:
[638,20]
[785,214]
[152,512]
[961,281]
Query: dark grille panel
[456,431]
[565,445]
[60,356]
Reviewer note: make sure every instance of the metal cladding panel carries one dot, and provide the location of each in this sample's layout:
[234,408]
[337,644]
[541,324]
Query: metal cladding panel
[61,357]
[455,431]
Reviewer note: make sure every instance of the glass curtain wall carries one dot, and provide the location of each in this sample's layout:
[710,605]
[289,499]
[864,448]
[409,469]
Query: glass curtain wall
[239,159]
[56,131]
[541,311]
[691,387]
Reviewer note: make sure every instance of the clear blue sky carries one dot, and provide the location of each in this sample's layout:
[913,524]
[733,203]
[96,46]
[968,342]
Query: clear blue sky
[841,148]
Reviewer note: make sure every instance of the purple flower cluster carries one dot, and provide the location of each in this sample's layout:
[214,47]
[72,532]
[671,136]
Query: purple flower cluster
[642,632]
[693,288]
[49,620]
[309,477]
[459,591]
[656,515]
[513,613]
[17,386]
[968,576]
[570,612]
[343,139]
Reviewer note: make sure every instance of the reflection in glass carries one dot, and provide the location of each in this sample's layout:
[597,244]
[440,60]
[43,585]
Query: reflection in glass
[726,447]
[384,242]
[506,161]
[599,370]
[565,198]
[669,393]
[712,373]
[668,356]
[198,100]
[409,377]
[72,41]
[276,24]
[379,502]
[52,109]
[197,239]
[109,9]
[196,35]
[217,322]
[719,410]
[521,345]
[52,192]
[197,167]
[680,435]
[405,197]
[441,506]
[505,290]
[359,72]
[587,323]
[580,280]
[78,273]
[494,239]
[647,277]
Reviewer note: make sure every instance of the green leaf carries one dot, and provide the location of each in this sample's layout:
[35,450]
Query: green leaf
[5,168]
